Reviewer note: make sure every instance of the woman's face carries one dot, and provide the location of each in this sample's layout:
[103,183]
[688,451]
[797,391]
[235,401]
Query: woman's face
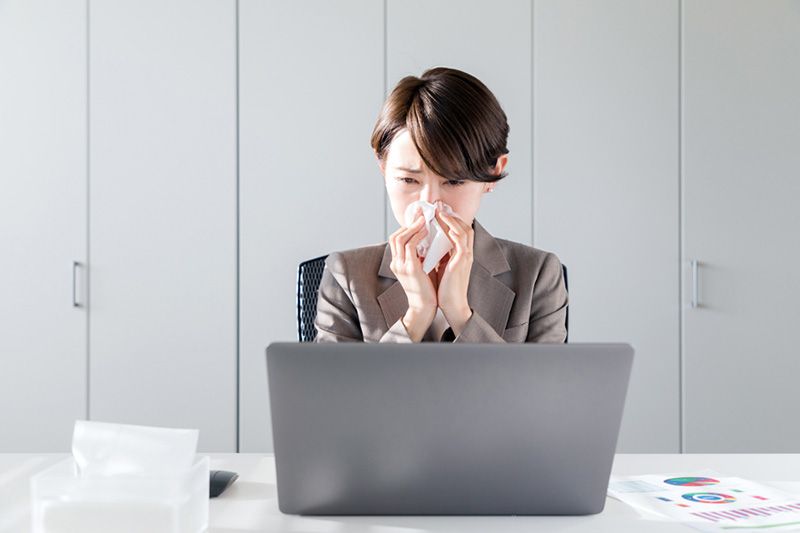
[408,179]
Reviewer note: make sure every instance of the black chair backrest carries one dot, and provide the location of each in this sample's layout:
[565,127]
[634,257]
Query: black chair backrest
[309,275]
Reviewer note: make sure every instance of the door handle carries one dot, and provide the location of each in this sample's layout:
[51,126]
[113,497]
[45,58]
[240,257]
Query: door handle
[75,303]
[695,288]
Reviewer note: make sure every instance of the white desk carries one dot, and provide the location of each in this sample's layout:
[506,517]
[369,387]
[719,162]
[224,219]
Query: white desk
[251,503]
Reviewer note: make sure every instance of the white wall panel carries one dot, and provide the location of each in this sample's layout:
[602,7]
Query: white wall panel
[742,187]
[606,188]
[311,87]
[42,223]
[163,215]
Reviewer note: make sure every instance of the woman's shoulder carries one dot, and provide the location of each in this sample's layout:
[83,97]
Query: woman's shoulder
[529,258]
[364,257]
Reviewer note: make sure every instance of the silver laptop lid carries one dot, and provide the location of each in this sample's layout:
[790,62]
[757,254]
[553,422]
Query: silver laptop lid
[431,428]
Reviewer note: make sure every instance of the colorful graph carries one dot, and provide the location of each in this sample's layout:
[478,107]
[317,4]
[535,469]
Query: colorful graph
[734,502]
[709,497]
[746,515]
[691,481]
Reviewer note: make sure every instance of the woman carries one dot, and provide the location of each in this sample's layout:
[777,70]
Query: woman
[441,139]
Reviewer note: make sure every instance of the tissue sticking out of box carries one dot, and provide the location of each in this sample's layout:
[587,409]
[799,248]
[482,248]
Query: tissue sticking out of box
[435,244]
[102,449]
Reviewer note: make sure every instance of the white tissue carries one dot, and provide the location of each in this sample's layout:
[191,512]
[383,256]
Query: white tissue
[101,449]
[435,244]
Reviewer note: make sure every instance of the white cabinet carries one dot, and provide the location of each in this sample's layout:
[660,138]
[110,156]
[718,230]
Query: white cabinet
[118,136]
[42,223]
[186,162]
[741,133]
[311,85]
[162,216]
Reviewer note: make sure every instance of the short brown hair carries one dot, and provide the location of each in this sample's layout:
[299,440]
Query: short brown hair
[455,122]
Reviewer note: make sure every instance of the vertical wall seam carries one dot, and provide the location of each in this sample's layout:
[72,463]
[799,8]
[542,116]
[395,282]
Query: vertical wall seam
[385,94]
[533,114]
[88,216]
[681,205]
[238,248]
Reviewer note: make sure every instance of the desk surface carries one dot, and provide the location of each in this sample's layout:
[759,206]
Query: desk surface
[251,503]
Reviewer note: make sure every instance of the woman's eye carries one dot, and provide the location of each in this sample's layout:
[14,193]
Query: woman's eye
[407,180]
[455,182]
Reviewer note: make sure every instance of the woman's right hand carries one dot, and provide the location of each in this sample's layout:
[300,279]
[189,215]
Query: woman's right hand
[418,286]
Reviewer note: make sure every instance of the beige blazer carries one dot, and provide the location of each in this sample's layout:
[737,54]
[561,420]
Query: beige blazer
[516,292]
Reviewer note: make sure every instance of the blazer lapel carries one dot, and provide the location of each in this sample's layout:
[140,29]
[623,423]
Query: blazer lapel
[393,300]
[487,295]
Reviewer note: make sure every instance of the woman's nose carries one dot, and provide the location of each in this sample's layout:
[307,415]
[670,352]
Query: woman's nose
[429,194]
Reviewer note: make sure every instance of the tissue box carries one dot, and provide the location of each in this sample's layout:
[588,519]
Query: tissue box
[62,502]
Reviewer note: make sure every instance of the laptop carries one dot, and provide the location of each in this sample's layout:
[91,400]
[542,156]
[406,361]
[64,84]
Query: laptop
[444,428]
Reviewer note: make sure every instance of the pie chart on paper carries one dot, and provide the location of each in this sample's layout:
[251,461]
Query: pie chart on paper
[709,497]
[691,481]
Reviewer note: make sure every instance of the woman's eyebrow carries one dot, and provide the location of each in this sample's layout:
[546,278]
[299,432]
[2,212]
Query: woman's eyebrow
[414,170]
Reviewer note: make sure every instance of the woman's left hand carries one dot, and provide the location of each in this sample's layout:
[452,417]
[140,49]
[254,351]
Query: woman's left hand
[453,275]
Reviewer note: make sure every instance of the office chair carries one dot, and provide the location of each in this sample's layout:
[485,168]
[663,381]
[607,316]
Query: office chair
[309,275]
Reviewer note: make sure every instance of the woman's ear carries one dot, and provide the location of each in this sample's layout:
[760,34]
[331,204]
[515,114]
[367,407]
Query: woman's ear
[502,161]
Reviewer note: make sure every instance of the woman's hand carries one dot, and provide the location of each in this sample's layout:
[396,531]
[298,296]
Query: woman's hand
[418,286]
[453,275]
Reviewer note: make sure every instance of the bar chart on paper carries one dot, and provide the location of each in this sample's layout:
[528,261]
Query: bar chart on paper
[708,501]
